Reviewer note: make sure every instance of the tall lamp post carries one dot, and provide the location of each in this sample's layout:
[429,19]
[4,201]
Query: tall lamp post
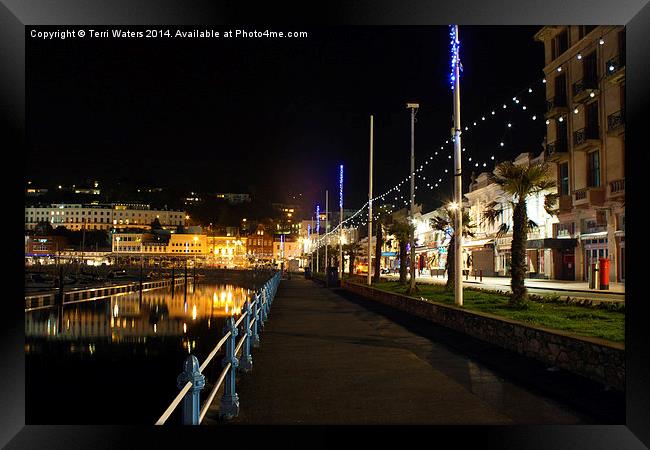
[458,180]
[341,221]
[317,234]
[327,197]
[370,206]
[413,107]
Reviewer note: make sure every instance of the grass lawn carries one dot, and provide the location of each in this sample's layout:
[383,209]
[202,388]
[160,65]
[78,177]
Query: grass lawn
[581,320]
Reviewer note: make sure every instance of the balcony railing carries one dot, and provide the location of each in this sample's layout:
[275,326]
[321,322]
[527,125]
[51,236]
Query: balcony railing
[583,136]
[591,196]
[559,101]
[615,69]
[584,85]
[556,148]
[617,187]
[615,122]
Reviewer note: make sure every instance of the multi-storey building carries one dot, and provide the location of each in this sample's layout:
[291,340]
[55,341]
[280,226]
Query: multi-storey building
[174,244]
[490,251]
[260,245]
[227,251]
[584,71]
[101,217]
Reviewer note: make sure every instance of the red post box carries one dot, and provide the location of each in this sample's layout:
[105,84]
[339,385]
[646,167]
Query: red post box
[604,273]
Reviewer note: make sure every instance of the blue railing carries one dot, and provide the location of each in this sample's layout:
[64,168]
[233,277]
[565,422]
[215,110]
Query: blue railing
[191,381]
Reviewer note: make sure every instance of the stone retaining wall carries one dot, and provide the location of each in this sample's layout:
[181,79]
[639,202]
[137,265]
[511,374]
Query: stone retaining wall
[597,359]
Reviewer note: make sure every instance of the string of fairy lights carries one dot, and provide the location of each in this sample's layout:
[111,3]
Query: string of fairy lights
[393,198]
[397,198]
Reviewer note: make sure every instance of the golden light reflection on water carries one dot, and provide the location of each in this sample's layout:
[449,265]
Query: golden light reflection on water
[129,318]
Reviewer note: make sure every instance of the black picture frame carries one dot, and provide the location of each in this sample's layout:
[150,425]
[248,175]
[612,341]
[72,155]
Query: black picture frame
[15,15]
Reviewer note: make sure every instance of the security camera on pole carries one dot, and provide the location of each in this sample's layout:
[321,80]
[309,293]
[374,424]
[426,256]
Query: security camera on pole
[458,180]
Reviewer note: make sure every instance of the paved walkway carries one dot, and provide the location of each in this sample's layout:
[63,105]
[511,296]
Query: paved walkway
[574,289]
[328,360]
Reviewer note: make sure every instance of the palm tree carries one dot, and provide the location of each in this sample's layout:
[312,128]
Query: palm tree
[519,182]
[381,222]
[351,249]
[445,223]
[402,230]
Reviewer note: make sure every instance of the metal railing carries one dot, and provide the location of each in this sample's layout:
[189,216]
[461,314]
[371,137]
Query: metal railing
[558,101]
[191,381]
[584,84]
[614,64]
[615,120]
[580,136]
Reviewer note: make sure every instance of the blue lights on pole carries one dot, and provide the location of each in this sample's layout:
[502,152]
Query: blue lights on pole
[455,47]
[341,186]
[318,219]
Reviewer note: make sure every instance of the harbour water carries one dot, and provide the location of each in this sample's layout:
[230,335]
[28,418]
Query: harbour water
[115,360]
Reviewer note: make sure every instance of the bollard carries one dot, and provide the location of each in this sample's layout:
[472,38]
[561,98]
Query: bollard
[255,334]
[246,360]
[191,401]
[481,278]
[230,399]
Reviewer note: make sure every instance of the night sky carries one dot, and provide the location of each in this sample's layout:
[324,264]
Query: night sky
[274,117]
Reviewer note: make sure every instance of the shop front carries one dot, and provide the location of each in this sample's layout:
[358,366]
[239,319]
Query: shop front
[550,258]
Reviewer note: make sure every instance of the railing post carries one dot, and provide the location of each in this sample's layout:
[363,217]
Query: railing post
[246,360]
[262,307]
[255,335]
[266,302]
[230,400]
[191,401]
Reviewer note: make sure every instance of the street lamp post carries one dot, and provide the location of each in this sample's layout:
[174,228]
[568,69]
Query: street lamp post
[369,281]
[341,221]
[317,236]
[458,181]
[413,107]
[327,196]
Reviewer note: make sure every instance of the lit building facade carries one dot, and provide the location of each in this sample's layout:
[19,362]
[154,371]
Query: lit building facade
[491,253]
[101,217]
[228,251]
[259,246]
[585,87]
[176,244]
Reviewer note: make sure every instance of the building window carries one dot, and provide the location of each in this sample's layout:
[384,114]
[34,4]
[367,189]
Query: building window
[564,178]
[591,121]
[593,169]
[560,44]
[590,68]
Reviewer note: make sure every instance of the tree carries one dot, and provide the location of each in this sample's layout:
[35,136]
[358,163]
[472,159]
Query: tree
[519,182]
[351,249]
[44,228]
[445,223]
[381,221]
[402,230]
[155,225]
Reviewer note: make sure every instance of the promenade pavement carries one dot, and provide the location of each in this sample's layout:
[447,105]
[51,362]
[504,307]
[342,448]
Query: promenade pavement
[574,289]
[326,360]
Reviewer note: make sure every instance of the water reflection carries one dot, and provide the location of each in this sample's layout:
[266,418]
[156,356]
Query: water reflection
[134,317]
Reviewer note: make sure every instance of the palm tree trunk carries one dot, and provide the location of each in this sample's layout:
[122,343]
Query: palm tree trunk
[402,262]
[351,264]
[519,238]
[377,253]
[451,268]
